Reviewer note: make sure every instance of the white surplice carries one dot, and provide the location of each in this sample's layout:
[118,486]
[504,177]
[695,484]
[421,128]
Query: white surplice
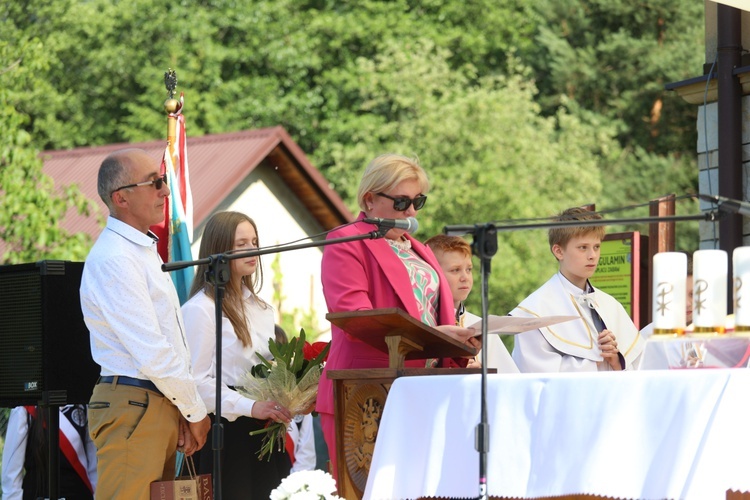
[572,345]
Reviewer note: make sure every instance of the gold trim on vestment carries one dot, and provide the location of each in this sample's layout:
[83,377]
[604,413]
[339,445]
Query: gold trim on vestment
[580,315]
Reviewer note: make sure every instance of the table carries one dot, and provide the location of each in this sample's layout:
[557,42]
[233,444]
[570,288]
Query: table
[641,434]
[695,351]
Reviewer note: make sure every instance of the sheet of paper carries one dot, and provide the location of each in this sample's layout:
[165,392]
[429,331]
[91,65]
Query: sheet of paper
[510,325]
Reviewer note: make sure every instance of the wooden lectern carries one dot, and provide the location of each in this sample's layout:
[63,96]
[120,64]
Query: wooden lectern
[360,395]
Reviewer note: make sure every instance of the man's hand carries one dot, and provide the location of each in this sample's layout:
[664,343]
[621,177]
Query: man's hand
[199,431]
[185,441]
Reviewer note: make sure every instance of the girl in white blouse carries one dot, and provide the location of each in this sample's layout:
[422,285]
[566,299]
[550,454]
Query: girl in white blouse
[247,324]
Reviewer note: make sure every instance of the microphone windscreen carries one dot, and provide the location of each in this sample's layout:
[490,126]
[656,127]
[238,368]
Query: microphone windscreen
[413,225]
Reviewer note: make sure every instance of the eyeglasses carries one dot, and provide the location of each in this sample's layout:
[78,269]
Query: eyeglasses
[402,203]
[158,183]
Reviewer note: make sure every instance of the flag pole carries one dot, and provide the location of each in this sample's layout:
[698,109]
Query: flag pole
[171,107]
[175,232]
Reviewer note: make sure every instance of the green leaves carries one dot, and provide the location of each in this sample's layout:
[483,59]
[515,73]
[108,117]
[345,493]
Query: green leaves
[293,355]
[516,109]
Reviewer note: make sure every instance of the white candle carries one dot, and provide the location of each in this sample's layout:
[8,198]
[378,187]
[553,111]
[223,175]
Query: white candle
[669,278]
[709,290]
[741,267]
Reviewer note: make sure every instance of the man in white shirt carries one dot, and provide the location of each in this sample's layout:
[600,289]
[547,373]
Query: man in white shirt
[146,404]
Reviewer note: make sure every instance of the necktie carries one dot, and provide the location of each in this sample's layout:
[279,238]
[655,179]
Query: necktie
[460,310]
[588,299]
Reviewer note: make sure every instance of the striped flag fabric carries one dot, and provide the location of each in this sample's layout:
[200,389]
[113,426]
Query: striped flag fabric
[176,231]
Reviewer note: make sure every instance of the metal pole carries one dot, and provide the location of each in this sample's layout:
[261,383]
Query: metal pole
[729,51]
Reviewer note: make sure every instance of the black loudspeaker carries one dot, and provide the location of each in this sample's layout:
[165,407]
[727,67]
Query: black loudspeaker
[45,353]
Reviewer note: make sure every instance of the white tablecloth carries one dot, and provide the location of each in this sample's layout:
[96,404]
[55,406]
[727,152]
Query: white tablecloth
[643,434]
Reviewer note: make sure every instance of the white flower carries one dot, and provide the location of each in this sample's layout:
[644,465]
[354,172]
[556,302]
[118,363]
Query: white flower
[306,485]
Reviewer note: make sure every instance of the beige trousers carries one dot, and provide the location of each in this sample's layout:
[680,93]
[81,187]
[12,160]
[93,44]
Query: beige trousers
[135,433]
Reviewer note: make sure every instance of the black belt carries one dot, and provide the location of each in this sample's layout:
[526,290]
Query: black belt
[135,382]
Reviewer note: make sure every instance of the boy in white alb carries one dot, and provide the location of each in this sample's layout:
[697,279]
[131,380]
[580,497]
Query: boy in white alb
[603,337]
[454,256]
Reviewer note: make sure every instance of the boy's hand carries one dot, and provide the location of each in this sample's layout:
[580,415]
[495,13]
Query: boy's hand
[608,346]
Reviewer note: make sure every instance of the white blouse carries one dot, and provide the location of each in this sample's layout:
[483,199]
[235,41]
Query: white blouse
[237,360]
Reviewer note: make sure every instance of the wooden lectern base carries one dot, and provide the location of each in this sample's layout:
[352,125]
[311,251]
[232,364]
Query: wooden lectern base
[360,397]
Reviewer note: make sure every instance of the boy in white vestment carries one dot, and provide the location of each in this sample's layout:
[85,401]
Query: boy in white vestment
[454,256]
[603,338]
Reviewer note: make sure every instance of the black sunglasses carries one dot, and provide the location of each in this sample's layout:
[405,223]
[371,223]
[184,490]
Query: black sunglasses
[402,203]
[158,183]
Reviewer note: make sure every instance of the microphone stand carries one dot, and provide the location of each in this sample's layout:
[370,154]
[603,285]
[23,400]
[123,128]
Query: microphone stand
[484,246]
[218,274]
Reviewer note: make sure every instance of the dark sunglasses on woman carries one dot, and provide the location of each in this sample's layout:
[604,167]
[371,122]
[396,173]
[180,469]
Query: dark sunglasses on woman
[402,203]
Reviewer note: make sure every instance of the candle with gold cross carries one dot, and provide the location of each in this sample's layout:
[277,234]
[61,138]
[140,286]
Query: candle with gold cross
[709,291]
[669,282]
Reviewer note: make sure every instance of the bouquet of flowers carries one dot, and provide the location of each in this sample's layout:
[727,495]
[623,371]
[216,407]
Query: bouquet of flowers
[290,379]
[305,485]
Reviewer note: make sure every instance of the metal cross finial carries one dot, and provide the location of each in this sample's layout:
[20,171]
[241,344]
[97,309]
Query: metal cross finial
[170,81]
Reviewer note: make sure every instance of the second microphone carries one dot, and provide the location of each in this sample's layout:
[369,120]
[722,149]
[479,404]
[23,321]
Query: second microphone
[410,224]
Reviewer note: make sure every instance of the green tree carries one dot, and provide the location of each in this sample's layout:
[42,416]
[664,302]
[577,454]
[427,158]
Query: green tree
[512,106]
[479,145]
[30,206]
[611,59]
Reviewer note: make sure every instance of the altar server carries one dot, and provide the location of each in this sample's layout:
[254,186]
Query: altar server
[603,337]
[454,256]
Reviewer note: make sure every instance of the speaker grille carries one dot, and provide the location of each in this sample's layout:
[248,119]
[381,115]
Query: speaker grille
[44,343]
[21,351]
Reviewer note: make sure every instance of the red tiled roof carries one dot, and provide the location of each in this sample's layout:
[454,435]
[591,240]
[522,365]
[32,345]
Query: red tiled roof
[218,163]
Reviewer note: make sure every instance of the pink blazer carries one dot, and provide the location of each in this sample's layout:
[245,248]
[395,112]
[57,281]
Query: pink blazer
[367,274]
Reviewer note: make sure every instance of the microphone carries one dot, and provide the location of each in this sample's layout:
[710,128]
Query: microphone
[410,224]
[728,205]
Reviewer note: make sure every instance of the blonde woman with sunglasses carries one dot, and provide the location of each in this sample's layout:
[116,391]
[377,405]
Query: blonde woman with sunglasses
[394,271]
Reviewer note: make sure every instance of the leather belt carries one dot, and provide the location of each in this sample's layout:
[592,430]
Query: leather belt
[135,382]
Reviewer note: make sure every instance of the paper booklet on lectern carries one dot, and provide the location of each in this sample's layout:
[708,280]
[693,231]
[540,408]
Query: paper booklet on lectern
[372,326]
[511,325]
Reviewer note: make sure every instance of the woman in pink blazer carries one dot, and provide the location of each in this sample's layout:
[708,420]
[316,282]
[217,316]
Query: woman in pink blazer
[395,271]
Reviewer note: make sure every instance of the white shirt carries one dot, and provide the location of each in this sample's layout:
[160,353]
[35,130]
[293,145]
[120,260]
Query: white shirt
[131,309]
[302,434]
[236,360]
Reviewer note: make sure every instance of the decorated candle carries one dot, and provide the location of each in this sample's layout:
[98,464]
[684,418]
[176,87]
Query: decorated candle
[670,276]
[741,267]
[709,291]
